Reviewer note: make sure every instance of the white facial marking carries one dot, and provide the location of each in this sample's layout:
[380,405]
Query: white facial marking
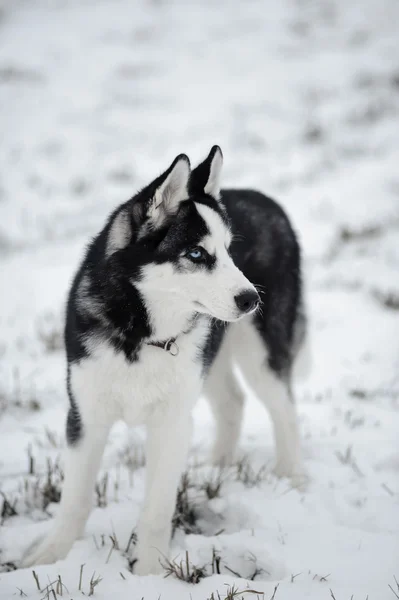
[220,237]
[225,281]
[171,295]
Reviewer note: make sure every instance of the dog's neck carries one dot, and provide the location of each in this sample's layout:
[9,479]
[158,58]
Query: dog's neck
[168,320]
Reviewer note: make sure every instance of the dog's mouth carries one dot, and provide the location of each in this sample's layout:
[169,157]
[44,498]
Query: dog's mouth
[228,318]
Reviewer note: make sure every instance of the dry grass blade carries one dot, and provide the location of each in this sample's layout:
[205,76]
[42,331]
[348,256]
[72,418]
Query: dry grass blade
[8,509]
[94,582]
[51,491]
[233,593]
[387,489]
[184,571]
[257,571]
[248,475]
[185,516]
[132,540]
[215,562]
[61,586]
[348,459]
[31,458]
[234,572]
[80,577]
[115,546]
[213,484]
[49,592]
[213,597]
[52,438]
[101,489]
[36,578]
[275,592]
[396,594]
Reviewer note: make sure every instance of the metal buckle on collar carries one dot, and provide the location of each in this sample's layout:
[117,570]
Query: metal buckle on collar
[171,347]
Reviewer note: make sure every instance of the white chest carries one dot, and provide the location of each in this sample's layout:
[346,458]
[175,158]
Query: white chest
[107,387]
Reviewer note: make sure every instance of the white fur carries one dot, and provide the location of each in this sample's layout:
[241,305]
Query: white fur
[159,390]
[243,345]
[86,303]
[81,466]
[181,289]
[170,193]
[120,233]
[213,184]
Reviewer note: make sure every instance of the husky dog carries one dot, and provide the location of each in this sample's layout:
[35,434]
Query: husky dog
[164,301]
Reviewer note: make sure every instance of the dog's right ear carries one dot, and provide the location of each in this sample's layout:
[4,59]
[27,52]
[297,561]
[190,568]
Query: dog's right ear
[150,207]
[162,198]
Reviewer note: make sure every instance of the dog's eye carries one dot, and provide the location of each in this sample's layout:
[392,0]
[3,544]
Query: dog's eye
[196,254]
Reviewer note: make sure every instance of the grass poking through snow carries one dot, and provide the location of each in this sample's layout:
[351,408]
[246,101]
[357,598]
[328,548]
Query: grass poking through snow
[186,515]
[234,593]
[184,571]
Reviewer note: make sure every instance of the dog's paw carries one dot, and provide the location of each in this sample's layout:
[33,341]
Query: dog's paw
[221,457]
[295,472]
[149,563]
[46,551]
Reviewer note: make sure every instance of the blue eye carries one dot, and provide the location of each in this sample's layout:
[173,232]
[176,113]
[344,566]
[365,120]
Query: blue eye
[196,254]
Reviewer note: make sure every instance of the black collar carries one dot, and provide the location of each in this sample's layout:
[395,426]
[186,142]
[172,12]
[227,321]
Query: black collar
[170,345]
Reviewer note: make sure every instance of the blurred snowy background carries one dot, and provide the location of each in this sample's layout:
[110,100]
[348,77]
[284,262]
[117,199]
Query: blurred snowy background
[96,98]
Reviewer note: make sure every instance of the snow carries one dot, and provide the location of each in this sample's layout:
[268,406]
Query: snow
[97,97]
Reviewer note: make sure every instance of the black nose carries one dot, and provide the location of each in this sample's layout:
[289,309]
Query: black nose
[247,300]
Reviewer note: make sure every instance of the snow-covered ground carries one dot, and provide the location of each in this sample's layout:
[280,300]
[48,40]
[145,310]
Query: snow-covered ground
[97,97]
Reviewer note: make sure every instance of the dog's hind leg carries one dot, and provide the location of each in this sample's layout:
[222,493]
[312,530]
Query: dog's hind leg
[273,389]
[226,400]
[82,461]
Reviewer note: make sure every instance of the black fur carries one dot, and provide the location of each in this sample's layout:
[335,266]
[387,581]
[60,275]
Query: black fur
[265,248]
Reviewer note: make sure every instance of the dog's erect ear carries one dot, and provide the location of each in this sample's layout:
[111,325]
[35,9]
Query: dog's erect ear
[171,190]
[206,177]
[151,206]
[163,196]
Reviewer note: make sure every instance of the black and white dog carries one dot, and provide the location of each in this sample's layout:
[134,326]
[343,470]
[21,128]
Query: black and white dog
[147,326]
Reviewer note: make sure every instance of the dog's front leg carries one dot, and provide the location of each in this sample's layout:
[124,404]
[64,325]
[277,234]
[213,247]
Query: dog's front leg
[82,461]
[168,439]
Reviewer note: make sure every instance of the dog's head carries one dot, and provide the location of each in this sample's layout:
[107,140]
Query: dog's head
[172,242]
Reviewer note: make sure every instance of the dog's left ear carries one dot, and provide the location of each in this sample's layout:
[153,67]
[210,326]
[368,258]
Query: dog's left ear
[172,189]
[206,177]
[162,198]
